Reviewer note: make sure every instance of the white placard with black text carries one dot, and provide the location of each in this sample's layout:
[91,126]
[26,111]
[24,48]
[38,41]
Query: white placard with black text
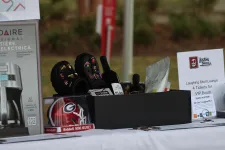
[199,71]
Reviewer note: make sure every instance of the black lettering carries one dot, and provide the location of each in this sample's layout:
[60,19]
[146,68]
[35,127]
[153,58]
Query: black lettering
[20,32]
[11,32]
[14,32]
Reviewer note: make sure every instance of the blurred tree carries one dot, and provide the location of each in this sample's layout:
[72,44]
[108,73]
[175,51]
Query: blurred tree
[86,7]
[150,5]
[53,10]
[153,4]
[94,4]
[203,5]
[83,8]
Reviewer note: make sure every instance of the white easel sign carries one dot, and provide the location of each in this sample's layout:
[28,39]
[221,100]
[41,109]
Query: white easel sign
[199,71]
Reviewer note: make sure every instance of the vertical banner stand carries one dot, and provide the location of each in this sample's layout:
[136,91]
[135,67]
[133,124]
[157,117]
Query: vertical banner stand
[106,18]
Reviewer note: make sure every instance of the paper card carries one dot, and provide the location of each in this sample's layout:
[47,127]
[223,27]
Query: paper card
[203,107]
[117,89]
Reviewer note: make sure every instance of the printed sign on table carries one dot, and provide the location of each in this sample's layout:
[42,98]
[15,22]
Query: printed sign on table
[15,10]
[20,73]
[199,71]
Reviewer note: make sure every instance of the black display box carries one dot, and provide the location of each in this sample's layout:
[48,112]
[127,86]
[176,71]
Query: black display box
[130,111]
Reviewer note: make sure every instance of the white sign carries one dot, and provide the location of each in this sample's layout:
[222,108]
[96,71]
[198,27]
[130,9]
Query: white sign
[100,92]
[117,89]
[203,107]
[199,71]
[16,10]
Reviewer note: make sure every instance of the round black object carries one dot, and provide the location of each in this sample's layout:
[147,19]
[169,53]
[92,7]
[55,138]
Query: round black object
[65,80]
[87,67]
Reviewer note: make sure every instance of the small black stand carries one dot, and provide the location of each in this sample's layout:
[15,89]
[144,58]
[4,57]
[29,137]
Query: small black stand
[220,114]
[150,109]
[13,132]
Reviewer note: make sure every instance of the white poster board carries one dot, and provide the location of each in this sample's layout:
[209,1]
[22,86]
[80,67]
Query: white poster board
[18,10]
[199,71]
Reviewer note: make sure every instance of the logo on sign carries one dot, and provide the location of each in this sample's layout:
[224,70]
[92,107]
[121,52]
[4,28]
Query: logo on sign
[195,62]
[70,107]
[204,61]
[11,35]
[11,32]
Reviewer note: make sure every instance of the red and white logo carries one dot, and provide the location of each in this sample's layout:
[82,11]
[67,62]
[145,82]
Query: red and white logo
[66,112]
[193,61]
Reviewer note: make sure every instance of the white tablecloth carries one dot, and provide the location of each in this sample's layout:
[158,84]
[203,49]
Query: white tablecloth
[212,138]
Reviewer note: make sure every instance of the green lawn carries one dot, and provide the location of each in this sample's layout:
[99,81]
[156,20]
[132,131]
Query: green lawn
[140,64]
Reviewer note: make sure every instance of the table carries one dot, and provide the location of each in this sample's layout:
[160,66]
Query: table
[212,138]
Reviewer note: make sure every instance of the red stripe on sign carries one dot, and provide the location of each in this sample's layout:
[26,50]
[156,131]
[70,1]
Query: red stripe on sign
[18,7]
[5,1]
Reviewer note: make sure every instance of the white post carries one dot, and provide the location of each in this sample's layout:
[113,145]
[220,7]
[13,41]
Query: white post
[108,43]
[128,40]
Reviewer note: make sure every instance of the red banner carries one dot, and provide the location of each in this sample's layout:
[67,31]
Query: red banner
[108,21]
[76,128]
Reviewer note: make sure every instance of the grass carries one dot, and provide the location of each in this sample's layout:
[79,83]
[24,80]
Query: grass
[140,64]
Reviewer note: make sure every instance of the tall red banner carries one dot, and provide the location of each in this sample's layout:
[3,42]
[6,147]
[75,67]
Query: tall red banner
[108,20]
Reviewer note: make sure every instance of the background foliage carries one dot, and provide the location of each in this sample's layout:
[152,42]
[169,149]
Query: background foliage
[63,30]
[161,28]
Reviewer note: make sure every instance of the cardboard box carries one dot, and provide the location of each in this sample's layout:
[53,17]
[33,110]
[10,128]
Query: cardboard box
[20,78]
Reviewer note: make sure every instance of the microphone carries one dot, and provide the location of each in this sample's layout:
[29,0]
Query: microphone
[136,88]
[110,77]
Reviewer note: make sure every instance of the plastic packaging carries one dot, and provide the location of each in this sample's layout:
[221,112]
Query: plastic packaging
[157,76]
